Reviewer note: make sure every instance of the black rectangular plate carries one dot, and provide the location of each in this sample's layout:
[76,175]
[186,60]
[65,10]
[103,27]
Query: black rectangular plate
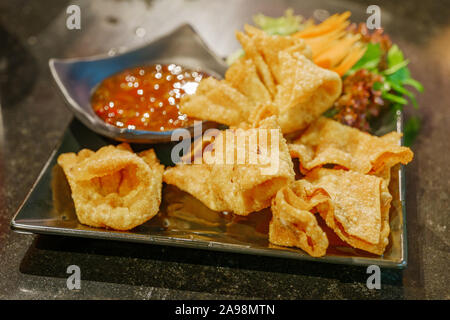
[184,221]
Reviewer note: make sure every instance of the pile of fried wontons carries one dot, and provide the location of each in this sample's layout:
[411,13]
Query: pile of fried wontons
[272,93]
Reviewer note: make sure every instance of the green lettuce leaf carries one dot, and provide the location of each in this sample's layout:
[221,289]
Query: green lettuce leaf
[284,25]
[370,60]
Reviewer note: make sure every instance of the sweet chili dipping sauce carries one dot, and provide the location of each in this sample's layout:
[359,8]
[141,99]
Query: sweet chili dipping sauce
[146,98]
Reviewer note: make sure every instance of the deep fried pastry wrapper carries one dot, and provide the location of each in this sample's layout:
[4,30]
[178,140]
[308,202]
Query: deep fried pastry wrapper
[293,224]
[263,49]
[327,141]
[251,51]
[242,75]
[242,186]
[305,92]
[273,71]
[261,113]
[385,174]
[217,101]
[358,210]
[114,187]
[269,47]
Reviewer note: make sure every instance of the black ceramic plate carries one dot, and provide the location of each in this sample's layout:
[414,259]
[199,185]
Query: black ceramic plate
[183,220]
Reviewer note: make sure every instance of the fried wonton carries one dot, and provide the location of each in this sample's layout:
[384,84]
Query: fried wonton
[240,171]
[305,91]
[242,75]
[114,187]
[217,101]
[264,50]
[274,70]
[293,224]
[327,141]
[358,210]
[251,51]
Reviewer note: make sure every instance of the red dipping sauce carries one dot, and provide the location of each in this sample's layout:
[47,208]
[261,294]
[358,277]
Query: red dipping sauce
[146,98]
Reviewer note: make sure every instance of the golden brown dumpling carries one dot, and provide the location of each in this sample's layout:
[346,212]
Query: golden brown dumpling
[114,187]
[293,224]
[327,141]
[235,177]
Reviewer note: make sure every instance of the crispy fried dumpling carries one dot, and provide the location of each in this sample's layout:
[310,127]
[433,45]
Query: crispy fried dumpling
[358,210]
[354,205]
[305,91]
[217,101]
[114,187]
[293,224]
[263,49]
[301,90]
[236,176]
[242,75]
[251,51]
[275,70]
[327,141]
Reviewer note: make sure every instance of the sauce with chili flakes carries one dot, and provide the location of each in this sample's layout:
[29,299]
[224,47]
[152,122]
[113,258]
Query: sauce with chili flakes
[146,98]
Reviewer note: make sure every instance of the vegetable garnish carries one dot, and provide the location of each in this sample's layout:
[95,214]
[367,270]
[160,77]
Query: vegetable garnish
[283,26]
[360,101]
[333,44]
[395,75]
[388,63]
[375,73]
